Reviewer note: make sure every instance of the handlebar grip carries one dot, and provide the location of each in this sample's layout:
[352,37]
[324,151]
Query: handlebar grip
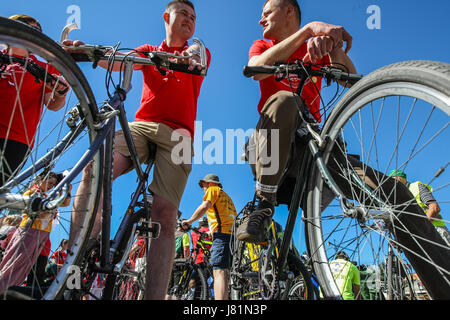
[80,57]
[184,68]
[337,75]
[354,78]
[250,71]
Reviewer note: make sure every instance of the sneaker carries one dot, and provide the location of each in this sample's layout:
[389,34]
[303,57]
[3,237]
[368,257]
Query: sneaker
[254,228]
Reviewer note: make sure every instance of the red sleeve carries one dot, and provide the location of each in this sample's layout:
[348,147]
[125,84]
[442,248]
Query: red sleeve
[208,55]
[258,47]
[50,70]
[145,47]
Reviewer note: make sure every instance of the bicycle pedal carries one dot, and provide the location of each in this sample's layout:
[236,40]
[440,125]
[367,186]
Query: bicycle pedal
[154,230]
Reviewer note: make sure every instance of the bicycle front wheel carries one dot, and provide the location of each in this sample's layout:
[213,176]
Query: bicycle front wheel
[395,118]
[39,135]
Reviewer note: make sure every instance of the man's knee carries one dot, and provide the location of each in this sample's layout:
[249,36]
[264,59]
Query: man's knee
[282,107]
[165,213]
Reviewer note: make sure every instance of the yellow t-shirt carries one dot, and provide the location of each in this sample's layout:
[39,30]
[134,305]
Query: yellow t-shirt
[222,212]
[42,222]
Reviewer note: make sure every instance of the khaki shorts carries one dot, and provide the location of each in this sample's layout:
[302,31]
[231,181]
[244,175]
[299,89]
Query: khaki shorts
[173,161]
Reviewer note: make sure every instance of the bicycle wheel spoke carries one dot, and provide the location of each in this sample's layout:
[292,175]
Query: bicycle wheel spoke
[389,126]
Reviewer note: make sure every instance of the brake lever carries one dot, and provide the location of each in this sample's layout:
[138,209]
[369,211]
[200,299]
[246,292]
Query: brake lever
[203,56]
[66,30]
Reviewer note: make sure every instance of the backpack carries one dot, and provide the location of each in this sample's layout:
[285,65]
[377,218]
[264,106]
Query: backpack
[179,247]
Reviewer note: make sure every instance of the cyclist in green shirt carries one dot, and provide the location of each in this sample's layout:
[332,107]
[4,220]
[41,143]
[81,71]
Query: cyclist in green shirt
[423,194]
[347,276]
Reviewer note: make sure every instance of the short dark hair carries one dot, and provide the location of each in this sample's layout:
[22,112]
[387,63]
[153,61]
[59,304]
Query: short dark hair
[48,175]
[187,2]
[294,3]
[342,255]
[26,19]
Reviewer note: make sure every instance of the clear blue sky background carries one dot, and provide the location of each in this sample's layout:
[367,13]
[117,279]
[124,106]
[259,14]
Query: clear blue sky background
[410,29]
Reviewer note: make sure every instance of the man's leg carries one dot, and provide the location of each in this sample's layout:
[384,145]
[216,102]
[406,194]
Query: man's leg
[162,250]
[220,284]
[416,236]
[169,181]
[279,120]
[220,261]
[121,165]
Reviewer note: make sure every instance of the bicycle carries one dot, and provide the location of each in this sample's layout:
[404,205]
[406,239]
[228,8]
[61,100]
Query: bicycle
[254,273]
[204,245]
[397,280]
[186,270]
[343,198]
[84,135]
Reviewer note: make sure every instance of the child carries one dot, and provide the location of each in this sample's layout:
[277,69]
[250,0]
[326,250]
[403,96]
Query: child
[31,236]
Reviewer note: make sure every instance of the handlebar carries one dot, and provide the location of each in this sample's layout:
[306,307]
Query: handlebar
[160,59]
[188,228]
[39,72]
[303,69]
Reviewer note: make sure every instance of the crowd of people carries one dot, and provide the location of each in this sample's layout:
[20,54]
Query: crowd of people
[161,113]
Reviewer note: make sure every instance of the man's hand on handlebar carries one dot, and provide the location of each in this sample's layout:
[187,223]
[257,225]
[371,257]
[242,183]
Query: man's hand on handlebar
[71,43]
[193,59]
[186,225]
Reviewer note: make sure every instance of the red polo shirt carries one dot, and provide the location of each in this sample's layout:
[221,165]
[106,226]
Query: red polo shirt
[20,113]
[270,86]
[171,98]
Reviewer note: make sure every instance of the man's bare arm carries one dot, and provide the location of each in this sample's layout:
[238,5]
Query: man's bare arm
[284,49]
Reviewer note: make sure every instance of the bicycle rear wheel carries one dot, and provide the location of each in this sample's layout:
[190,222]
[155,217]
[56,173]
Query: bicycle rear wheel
[181,286]
[395,118]
[302,287]
[31,123]
[244,268]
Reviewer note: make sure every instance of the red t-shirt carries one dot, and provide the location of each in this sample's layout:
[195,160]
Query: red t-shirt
[59,256]
[270,86]
[195,236]
[26,111]
[141,248]
[172,98]
[46,249]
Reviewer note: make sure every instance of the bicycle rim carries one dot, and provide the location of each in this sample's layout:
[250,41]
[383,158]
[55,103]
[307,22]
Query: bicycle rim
[395,118]
[51,128]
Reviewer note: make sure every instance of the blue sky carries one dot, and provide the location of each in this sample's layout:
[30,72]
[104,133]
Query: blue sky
[409,30]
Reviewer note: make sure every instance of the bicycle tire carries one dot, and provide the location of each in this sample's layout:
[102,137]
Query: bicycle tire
[244,271]
[425,86]
[179,286]
[130,282]
[49,132]
[302,281]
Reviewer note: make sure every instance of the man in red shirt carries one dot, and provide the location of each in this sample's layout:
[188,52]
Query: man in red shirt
[22,100]
[317,42]
[203,224]
[169,103]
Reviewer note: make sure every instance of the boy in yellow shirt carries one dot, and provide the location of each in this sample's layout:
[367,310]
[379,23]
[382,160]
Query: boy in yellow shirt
[220,211]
